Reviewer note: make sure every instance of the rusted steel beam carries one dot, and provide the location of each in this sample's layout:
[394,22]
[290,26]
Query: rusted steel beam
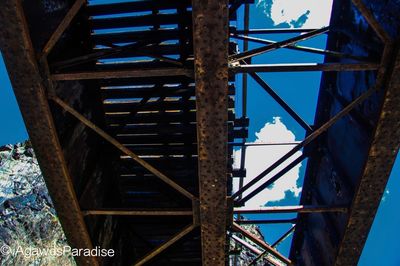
[133,49]
[29,90]
[277,45]
[284,236]
[132,73]
[372,21]
[63,26]
[106,23]
[271,31]
[281,102]
[123,212]
[378,165]
[278,221]
[166,245]
[210,38]
[261,243]
[291,209]
[134,6]
[303,67]
[249,144]
[122,148]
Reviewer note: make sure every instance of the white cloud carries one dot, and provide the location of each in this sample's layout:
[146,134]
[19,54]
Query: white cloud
[258,158]
[309,13]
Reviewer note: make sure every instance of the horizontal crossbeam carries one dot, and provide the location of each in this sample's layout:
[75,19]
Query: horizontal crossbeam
[123,212]
[270,31]
[301,67]
[249,144]
[278,221]
[132,73]
[291,209]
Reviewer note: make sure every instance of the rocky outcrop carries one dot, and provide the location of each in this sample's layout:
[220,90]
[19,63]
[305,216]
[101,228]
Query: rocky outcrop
[28,221]
[244,256]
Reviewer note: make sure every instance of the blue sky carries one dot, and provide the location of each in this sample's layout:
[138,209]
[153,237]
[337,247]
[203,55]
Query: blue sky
[300,90]
[12,127]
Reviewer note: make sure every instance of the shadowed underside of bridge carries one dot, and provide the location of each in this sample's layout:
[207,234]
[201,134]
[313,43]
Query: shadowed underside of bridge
[130,109]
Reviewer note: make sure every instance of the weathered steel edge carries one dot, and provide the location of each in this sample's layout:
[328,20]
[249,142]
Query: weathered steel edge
[379,163]
[25,77]
[210,38]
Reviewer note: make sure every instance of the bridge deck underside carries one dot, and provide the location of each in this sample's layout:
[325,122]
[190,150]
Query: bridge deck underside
[126,72]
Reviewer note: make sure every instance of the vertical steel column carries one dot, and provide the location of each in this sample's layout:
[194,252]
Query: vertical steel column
[210,38]
[244,93]
[246,21]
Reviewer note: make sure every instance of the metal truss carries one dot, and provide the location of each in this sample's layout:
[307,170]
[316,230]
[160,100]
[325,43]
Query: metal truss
[207,212]
[212,210]
[241,63]
[119,74]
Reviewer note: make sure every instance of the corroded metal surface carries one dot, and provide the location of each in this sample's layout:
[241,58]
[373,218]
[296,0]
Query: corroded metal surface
[137,73]
[296,67]
[24,74]
[381,157]
[210,36]
[291,209]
